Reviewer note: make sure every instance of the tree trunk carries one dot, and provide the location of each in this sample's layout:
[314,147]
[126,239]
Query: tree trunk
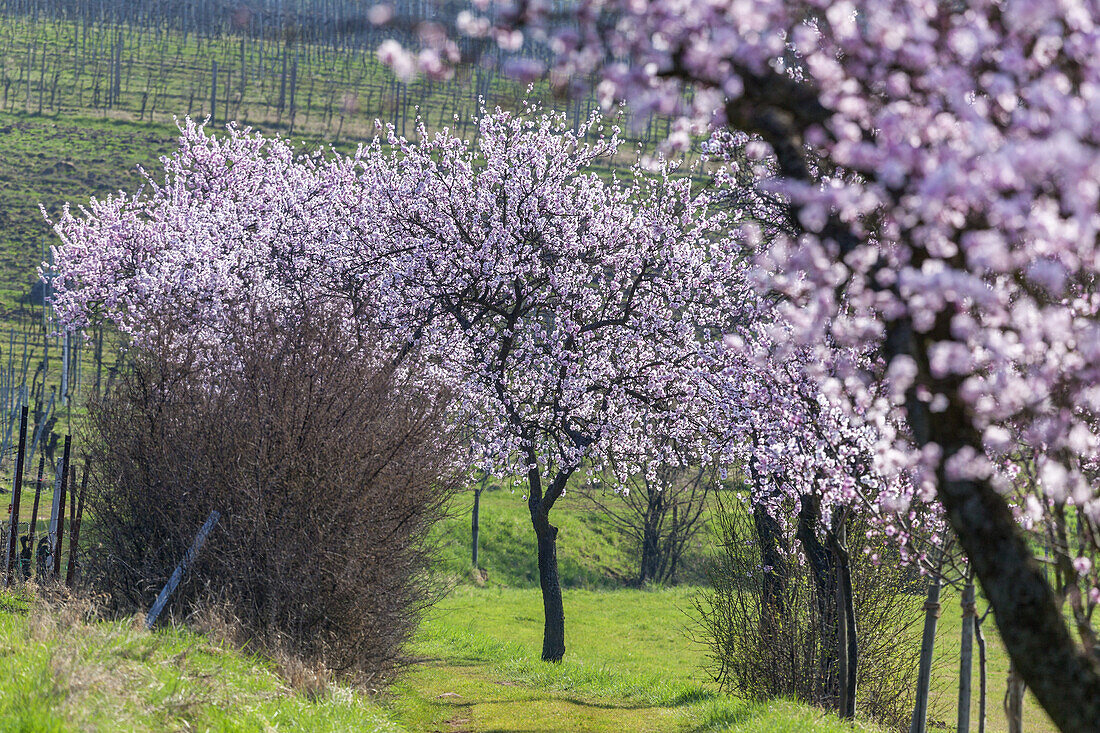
[850,649]
[651,552]
[474,527]
[841,644]
[821,567]
[553,635]
[539,505]
[774,584]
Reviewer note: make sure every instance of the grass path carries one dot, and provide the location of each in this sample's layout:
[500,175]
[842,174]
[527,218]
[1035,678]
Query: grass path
[627,668]
[640,634]
[449,696]
[444,696]
[463,698]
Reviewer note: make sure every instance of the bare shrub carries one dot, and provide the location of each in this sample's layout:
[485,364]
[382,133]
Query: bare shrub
[770,635]
[328,458]
[660,514]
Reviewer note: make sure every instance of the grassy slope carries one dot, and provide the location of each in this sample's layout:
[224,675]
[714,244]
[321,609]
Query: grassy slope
[51,161]
[165,74]
[58,673]
[592,553]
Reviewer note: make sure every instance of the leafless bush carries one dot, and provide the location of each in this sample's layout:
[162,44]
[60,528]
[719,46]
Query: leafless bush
[660,515]
[770,636]
[328,461]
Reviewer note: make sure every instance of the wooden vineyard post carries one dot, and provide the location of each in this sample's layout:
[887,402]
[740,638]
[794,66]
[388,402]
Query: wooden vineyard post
[34,509]
[1014,701]
[185,563]
[59,509]
[966,655]
[931,617]
[213,89]
[979,639]
[76,514]
[17,490]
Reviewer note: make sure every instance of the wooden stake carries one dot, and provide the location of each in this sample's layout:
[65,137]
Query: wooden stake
[74,536]
[17,490]
[34,510]
[928,642]
[61,508]
[966,655]
[185,563]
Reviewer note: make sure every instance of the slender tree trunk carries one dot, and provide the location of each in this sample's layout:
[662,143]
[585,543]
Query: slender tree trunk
[851,649]
[773,555]
[845,629]
[651,555]
[847,642]
[982,674]
[539,505]
[841,644]
[774,584]
[821,567]
[773,578]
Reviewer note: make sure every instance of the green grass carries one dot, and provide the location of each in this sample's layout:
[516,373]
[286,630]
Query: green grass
[331,92]
[631,661]
[60,672]
[50,162]
[628,667]
[592,552]
[948,640]
[659,623]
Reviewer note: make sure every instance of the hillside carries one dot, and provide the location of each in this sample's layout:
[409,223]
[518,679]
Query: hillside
[592,553]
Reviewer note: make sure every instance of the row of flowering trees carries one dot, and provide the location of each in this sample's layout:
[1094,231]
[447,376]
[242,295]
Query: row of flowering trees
[584,322]
[941,163]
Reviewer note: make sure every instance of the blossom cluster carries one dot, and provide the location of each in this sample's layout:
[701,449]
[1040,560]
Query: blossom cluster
[581,318]
[959,202]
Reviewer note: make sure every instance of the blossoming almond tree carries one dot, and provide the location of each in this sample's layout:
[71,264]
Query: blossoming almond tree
[572,309]
[942,161]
